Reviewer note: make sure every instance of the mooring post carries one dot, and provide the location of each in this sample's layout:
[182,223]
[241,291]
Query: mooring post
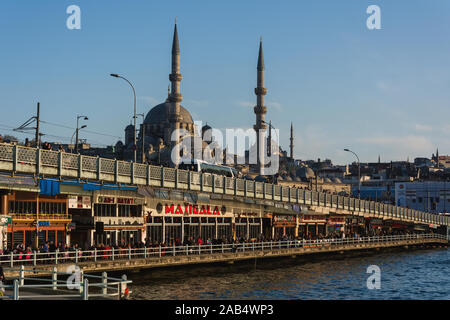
[54,278]
[105,283]
[16,290]
[80,288]
[21,275]
[86,289]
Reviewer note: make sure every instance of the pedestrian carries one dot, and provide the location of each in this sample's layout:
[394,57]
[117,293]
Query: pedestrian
[2,281]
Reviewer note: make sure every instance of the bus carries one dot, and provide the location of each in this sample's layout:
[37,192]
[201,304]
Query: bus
[202,166]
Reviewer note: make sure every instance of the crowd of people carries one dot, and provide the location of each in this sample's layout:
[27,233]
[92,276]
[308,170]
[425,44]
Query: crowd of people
[49,248]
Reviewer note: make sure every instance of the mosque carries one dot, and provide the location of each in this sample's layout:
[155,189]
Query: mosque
[162,120]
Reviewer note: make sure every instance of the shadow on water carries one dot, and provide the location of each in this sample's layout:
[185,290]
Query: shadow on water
[405,274]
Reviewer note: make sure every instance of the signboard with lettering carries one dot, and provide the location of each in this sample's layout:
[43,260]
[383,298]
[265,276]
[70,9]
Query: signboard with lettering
[43,223]
[192,209]
[5,221]
[336,220]
[102,199]
[79,202]
[314,218]
[125,200]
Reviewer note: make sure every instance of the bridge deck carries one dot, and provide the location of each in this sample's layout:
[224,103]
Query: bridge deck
[168,260]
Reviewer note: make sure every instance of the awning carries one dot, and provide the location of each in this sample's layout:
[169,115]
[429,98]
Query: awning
[19,183]
[284,211]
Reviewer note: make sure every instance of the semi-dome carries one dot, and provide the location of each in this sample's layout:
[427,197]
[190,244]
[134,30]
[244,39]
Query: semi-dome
[305,173]
[160,114]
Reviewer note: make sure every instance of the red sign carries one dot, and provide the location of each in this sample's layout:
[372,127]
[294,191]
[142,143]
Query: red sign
[190,209]
[125,200]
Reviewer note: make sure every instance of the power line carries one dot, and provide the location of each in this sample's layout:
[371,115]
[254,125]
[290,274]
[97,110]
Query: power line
[89,131]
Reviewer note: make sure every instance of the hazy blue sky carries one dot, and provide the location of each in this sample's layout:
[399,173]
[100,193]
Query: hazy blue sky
[375,91]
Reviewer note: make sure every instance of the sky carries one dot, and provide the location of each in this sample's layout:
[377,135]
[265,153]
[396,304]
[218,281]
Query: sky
[377,92]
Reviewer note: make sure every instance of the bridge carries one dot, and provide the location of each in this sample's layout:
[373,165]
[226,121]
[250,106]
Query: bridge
[16,159]
[150,257]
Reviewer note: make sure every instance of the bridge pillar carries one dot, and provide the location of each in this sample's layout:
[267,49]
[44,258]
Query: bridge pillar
[98,168]
[38,162]
[80,166]
[60,163]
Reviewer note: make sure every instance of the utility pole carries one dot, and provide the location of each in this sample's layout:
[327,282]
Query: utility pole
[38,117]
[143,136]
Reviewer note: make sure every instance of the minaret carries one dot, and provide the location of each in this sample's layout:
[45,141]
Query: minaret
[292,142]
[437,158]
[260,110]
[175,77]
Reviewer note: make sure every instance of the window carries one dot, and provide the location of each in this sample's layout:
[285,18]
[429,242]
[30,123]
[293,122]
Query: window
[104,210]
[420,199]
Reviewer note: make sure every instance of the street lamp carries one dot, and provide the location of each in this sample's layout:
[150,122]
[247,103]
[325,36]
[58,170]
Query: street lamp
[359,173]
[143,137]
[115,75]
[78,129]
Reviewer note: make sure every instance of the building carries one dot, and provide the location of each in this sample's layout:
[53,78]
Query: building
[428,196]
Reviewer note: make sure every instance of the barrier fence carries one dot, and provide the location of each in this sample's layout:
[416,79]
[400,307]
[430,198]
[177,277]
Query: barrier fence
[84,288]
[18,159]
[111,254]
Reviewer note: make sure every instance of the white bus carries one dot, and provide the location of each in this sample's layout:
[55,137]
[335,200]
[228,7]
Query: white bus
[202,166]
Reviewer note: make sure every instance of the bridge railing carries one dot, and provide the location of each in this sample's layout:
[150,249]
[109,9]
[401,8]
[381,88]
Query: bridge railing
[112,254]
[81,283]
[14,158]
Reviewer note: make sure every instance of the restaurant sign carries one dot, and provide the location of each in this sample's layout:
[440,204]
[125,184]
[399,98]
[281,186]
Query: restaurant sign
[192,209]
[5,221]
[79,202]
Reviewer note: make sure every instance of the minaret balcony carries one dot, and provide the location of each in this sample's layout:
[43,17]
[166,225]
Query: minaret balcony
[175,77]
[175,97]
[260,109]
[260,91]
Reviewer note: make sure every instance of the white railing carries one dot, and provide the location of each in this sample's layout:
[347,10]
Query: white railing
[112,254]
[117,287]
[14,158]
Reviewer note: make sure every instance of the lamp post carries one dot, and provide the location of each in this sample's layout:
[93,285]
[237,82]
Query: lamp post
[115,75]
[359,172]
[78,129]
[143,137]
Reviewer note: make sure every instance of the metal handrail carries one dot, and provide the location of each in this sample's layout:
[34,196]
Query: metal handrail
[54,258]
[83,286]
[68,165]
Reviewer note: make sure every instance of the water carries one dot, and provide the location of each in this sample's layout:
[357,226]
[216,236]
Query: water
[407,274]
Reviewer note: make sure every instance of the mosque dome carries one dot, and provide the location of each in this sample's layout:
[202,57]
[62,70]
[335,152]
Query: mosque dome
[160,114]
[305,173]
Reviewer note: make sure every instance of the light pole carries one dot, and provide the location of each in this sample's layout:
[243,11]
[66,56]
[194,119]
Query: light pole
[359,173]
[143,136]
[78,129]
[115,75]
